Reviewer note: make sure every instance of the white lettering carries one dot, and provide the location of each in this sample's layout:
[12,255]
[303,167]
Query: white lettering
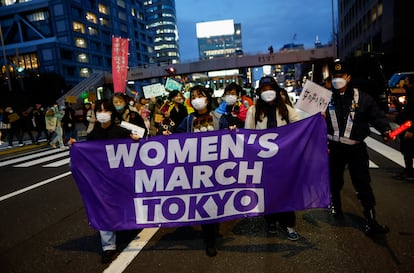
[114,158]
[209,149]
[266,141]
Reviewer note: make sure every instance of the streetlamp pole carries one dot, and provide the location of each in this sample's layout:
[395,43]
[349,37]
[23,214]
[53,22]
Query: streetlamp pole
[5,60]
[333,30]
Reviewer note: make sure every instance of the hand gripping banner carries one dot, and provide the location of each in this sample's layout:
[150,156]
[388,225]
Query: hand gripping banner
[195,178]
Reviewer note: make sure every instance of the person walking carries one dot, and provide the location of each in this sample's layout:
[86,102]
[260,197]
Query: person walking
[13,119]
[235,111]
[106,128]
[39,123]
[58,115]
[350,114]
[69,123]
[91,117]
[407,137]
[202,120]
[271,110]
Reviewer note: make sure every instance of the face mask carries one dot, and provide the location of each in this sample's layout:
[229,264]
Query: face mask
[180,101]
[268,95]
[131,103]
[103,117]
[338,83]
[119,107]
[199,103]
[230,99]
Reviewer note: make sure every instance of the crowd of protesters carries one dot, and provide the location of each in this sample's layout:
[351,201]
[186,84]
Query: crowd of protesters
[196,110]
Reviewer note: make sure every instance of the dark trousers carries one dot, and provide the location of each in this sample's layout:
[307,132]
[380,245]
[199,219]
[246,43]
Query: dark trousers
[285,219]
[407,150]
[210,233]
[357,160]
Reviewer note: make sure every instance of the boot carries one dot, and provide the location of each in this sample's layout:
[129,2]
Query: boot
[373,228]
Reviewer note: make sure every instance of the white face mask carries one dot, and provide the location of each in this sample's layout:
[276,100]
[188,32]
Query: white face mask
[230,99]
[338,83]
[103,117]
[199,103]
[268,95]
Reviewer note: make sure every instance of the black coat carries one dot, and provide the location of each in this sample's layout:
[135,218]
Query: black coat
[367,113]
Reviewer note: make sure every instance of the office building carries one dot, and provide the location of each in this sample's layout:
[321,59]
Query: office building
[72,37]
[162,21]
[383,26]
[218,39]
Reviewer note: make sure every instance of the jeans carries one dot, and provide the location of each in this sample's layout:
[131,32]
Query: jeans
[108,240]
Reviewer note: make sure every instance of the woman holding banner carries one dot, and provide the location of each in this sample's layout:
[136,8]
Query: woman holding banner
[201,120]
[271,110]
[106,128]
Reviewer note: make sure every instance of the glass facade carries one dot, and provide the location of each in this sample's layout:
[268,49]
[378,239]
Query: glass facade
[162,22]
[219,39]
[75,34]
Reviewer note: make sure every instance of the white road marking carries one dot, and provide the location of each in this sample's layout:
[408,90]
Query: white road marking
[7,196]
[24,158]
[131,251]
[41,160]
[57,163]
[386,151]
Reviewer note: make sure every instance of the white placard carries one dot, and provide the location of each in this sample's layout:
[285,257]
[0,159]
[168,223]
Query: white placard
[153,90]
[313,98]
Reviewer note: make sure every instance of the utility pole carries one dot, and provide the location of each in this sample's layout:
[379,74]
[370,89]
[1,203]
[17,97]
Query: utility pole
[5,60]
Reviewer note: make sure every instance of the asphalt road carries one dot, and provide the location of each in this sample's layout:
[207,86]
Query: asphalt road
[45,229]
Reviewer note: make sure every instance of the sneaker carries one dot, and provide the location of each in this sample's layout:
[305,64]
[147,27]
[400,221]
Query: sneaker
[376,229]
[21,144]
[410,178]
[292,234]
[10,146]
[336,213]
[53,145]
[107,256]
[272,228]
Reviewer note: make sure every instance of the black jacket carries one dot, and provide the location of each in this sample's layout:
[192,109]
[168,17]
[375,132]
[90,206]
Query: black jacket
[367,113]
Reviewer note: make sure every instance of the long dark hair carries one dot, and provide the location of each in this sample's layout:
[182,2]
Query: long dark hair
[263,108]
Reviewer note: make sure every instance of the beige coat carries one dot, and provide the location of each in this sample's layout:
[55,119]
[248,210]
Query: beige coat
[250,122]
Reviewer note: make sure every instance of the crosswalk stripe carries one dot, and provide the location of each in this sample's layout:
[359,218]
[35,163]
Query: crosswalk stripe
[41,160]
[28,157]
[386,151]
[57,163]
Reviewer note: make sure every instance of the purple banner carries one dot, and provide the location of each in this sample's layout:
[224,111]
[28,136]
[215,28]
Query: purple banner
[194,178]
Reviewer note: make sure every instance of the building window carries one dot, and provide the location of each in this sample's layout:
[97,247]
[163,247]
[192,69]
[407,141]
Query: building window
[80,42]
[92,31]
[38,16]
[66,54]
[91,17]
[84,72]
[103,9]
[26,61]
[104,22]
[76,12]
[121,3]
[83,58]
[78,27]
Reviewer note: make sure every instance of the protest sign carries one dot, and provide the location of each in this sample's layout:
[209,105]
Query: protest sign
[171,85]
[153,90]
[195,178]
[313,98]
